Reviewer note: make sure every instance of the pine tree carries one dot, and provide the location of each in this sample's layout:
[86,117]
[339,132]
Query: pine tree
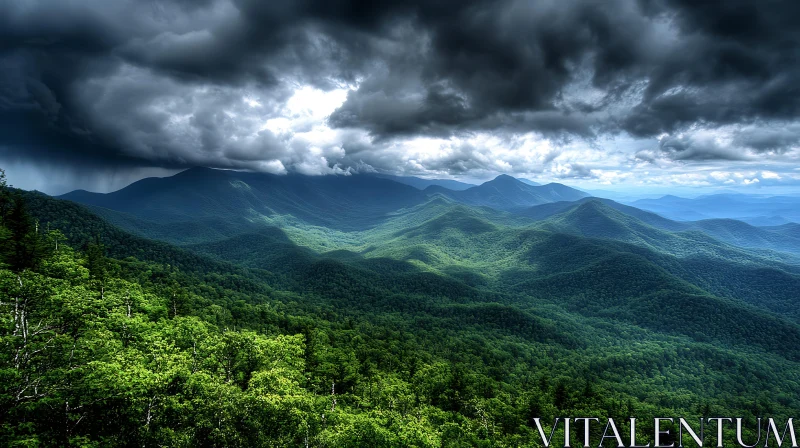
[96,261]
[5,197]
[26,247]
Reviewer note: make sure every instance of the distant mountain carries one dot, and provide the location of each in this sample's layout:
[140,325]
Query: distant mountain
[421,184]
[593,218]
[737,233]
[729,205]
[507,193]
[621,196]
[238,200]
[203,205]
[745,235]
[789,229]
[763,221]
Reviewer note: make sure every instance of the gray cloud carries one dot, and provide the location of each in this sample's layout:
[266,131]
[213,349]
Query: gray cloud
[769,138]
[576,171]
[727,143]
[697,146]
[161,82]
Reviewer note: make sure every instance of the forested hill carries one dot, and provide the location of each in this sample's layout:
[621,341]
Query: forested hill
[236,198]
[454,331]
[203,205]
[735,232]
[81,227]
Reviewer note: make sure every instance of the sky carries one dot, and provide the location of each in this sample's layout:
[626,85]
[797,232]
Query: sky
[625,95]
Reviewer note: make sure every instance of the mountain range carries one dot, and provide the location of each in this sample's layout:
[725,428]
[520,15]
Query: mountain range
[420,183]
[560,252]
[201,204]
[783,238]
[490,235]
[505,287]
[754,209]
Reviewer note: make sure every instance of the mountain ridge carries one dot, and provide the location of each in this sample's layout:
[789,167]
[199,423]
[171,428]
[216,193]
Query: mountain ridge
[731,231]
[421,183]
[505,192]
[734,206]
[348,202]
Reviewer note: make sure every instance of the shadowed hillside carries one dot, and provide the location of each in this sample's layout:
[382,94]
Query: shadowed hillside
[203,197]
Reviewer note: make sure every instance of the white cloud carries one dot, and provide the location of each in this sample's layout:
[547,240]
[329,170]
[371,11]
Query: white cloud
[720,175]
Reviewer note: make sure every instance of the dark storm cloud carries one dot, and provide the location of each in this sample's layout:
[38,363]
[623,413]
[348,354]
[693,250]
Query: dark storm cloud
[728,143]
[146,82]
[698,147]
[484,66]
[732,62]
[769,138]
[663,67]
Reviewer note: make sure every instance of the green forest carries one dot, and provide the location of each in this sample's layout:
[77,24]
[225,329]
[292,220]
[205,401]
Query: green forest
[448,327]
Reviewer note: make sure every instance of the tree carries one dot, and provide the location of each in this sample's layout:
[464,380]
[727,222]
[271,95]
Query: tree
[26,247]
[96,261]
[5,197]
[55,238]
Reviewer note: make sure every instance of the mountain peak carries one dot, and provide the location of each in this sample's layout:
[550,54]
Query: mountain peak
[505,178]
[593,205]
[505,181]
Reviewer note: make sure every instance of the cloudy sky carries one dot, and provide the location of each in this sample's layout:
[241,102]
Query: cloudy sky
[613,94]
